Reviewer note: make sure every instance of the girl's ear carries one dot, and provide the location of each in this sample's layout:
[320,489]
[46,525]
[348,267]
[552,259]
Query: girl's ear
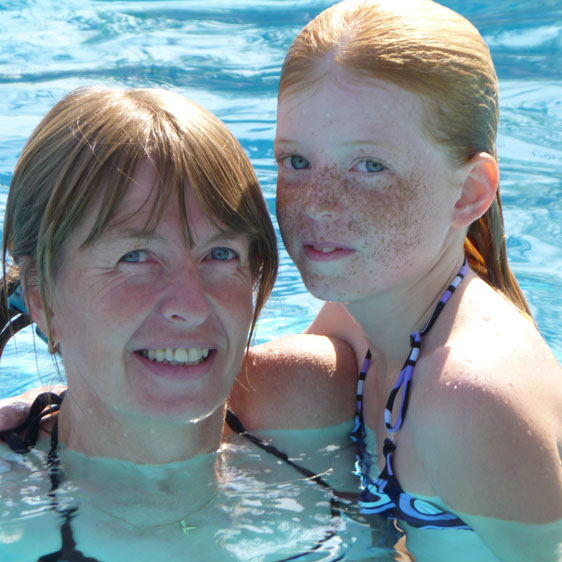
[479,188]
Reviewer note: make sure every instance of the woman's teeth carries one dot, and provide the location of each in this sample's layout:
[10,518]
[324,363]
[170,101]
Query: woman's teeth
[324,250]
[177,356]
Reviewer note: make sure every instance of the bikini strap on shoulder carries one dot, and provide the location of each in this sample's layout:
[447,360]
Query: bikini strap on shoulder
[405,377]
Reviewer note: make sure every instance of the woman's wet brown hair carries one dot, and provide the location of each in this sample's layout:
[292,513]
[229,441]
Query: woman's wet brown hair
[87,149]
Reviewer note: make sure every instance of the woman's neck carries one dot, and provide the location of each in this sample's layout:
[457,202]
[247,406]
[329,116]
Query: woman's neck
[98,431]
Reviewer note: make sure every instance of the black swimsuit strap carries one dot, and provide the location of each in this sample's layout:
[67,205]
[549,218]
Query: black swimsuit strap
[236,425]
[22,438]
[68,551]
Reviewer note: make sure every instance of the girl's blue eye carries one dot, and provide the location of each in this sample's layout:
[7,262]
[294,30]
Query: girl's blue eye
[222,254]
[370,166]
[298,162]
[136,256]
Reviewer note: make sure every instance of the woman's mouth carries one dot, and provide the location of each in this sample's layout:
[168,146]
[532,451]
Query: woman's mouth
[176,355]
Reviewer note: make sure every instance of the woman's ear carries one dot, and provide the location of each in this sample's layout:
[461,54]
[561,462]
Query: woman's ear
[34,303]
[481,180]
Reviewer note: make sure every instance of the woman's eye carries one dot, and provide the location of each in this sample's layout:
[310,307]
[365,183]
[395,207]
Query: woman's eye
[136,256]
[370,166]
[222,254]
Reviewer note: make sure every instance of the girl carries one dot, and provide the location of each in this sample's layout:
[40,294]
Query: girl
[388,202]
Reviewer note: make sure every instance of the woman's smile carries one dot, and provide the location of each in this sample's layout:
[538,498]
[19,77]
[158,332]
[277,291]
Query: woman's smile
[176,356]
[167,320]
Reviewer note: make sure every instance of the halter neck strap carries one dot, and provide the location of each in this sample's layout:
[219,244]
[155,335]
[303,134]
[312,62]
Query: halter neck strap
[405,377]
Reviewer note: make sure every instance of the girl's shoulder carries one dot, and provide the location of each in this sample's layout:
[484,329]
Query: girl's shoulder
[490,413]
[299,381]
[494,361]
[492,341]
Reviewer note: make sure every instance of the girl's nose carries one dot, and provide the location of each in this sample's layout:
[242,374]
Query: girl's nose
[321,200]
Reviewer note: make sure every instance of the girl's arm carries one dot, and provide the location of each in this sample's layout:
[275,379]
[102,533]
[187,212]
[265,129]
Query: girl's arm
[334,321]
[491,440]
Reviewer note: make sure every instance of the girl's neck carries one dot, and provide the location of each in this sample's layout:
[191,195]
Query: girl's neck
[100,432]
[389,318]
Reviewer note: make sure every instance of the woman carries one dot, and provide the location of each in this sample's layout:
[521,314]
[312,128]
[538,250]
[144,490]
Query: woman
[138,240]
[388,202]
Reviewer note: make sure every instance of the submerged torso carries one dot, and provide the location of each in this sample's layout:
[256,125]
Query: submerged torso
[258,508]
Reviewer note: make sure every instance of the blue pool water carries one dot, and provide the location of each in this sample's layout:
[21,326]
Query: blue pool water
[227,56]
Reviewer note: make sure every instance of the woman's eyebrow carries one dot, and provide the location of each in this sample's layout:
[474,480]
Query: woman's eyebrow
[116,233]
[225,234]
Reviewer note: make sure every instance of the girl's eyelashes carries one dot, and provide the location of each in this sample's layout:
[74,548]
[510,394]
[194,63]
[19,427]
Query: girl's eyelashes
[135,256]
[368,166]
[297,162]
[294,162]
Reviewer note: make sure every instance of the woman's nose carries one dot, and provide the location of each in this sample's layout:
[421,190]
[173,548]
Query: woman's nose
[185,299]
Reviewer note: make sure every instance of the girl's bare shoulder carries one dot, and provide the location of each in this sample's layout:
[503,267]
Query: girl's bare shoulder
[492,404]
[296,382]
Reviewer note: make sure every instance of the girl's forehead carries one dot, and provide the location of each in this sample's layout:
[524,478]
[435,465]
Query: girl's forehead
[362,109]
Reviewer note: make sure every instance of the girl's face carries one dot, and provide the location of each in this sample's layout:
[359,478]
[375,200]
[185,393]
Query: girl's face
[364,198]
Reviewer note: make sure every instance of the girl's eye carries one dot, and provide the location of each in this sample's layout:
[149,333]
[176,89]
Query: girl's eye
[136,256]
[222,254]
[298,162]
[370,166]
[295,162]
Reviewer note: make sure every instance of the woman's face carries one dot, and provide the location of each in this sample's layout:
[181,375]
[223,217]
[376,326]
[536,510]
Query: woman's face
[146,322]
[364,198]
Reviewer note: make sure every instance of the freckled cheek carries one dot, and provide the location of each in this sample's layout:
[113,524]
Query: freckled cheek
[286,199]
[393,216]
[287,209]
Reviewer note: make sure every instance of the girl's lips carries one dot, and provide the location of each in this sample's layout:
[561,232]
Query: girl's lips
[325,251]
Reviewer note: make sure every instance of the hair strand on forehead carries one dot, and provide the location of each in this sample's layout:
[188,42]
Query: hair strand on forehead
[83,156]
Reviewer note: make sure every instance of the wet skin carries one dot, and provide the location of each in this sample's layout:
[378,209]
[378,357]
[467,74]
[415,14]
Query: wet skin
[364,198]
[132,293]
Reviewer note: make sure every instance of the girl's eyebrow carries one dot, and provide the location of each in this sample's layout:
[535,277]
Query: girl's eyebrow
[285,141]
[357,142]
